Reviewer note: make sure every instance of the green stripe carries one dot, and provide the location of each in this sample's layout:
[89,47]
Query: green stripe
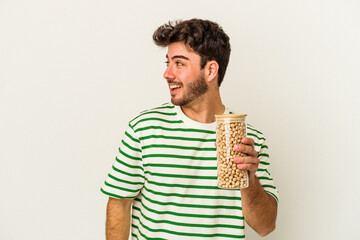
[179,156]
[263,155]
[144,113]
[265,178]
[181,185]
[262,170]
[191,205]
[120,188]
[195,225]
[264,163]
[254,135]
[179,166]
[261,145]
[114,195]
[254,129]
[190,234]
[162,107]
[178,138]
[142,234]
[268,186]
[135,236]
[130,147]
[129,136]
[129,156]
[181,176]
[128,165]
[175,129]
[156,119]
[191,215]
[276,198]
[126,173]
[124,181]
[177,147]
[191,195]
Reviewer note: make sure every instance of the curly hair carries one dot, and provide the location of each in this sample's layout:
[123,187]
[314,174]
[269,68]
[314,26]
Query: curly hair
[205,37]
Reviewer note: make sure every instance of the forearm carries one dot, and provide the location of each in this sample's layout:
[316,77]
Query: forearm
[259,208]
[118,219]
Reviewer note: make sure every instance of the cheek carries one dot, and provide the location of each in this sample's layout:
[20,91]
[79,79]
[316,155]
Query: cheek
[186,76]
[181,76]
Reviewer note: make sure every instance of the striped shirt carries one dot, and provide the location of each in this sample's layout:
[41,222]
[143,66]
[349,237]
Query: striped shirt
[167,163]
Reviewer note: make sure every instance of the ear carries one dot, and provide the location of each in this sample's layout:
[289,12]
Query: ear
[212,68]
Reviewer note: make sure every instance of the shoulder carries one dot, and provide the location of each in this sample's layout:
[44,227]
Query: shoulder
[162,113]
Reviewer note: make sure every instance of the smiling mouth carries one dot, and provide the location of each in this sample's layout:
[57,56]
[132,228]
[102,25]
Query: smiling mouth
[174,87]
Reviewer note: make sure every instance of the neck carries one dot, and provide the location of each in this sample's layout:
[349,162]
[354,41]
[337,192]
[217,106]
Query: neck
[204,108]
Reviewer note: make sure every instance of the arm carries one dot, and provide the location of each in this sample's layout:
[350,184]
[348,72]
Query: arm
[118,219]
[259,208]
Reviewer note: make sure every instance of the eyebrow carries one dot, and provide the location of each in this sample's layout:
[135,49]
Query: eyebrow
[177,56]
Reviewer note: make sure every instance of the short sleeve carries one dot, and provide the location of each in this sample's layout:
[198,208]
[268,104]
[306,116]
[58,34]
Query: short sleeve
[263,173]
[126,177]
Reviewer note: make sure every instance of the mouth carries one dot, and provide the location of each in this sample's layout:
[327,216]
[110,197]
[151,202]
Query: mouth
[174,88]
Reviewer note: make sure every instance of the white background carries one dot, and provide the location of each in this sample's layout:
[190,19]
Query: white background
[72,73]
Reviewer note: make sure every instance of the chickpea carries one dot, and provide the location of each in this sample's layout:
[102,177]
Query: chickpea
[230,133]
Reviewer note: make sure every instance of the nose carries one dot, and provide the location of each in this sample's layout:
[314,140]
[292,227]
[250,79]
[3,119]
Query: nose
[168,74]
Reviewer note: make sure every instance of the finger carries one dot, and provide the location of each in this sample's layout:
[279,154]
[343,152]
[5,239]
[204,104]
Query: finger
[249,167]
[247,141]
[249,150]
[247,160]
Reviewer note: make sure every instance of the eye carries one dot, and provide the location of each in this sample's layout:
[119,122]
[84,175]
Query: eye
[179,64]
[167,63]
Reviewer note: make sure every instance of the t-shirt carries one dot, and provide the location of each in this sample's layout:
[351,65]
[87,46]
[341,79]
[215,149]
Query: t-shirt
[168,163]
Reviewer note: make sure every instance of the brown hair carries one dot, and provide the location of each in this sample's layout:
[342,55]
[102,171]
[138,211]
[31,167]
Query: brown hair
[206,38]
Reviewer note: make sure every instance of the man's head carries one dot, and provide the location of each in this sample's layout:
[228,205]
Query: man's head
[204,37]
[188,84]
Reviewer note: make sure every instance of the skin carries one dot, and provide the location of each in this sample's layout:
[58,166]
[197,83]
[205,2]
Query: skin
[183,69]
[259,208]
[118,219]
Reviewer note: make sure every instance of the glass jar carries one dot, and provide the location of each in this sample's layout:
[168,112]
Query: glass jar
[230,130]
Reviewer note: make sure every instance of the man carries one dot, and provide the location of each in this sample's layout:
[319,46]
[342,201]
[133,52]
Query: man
[167,169]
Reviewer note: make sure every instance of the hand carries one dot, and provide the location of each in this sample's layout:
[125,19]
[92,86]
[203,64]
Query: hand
[250,161]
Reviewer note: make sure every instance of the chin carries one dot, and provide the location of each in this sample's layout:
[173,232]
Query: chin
[180,102]
[175,102]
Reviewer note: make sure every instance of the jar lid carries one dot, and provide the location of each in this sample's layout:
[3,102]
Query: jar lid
[231,115]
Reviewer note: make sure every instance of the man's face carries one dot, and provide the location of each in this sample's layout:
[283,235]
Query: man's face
[185,78]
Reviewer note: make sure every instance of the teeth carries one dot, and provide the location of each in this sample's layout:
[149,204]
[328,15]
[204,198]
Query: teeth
[174,86]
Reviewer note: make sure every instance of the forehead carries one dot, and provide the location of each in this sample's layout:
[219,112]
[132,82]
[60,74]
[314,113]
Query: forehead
[180,49]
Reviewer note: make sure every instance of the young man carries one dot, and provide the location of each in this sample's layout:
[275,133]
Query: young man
[166,167]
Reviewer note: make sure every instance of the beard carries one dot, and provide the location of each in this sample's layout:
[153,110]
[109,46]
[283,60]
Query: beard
[195,90]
